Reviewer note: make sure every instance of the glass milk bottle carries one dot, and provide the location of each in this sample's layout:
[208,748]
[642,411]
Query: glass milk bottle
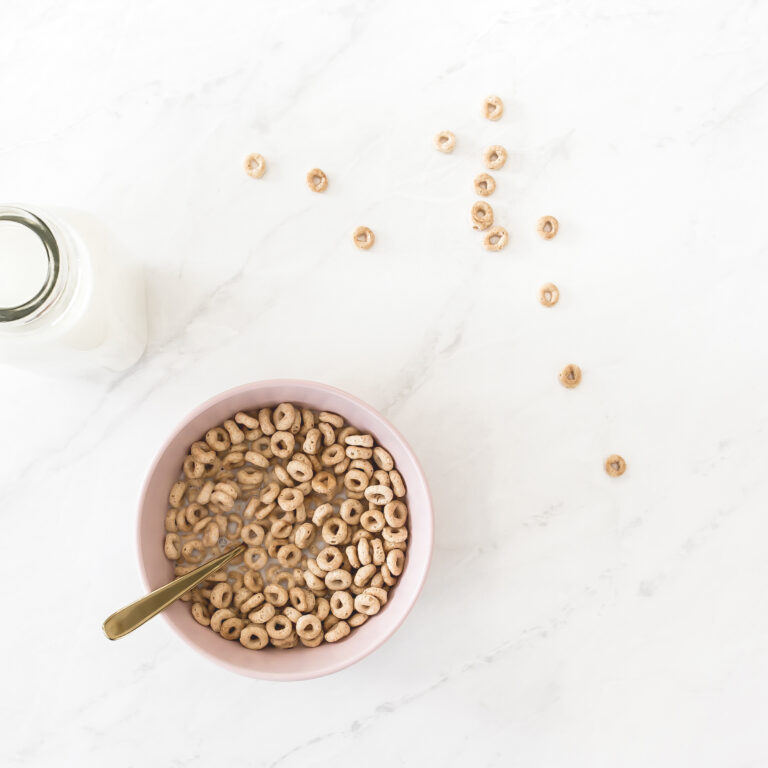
[68,301]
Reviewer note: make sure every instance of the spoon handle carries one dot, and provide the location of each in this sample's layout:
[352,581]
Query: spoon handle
[134,615]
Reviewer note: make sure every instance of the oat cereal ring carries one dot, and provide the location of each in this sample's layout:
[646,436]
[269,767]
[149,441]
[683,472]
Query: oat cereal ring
[380,477]
[395,513]
[494,157]
[314,642]
[289,499]
[256,558]
[290,642]
[355,480]
[378,495]
[570,376]
[493,108]
[253,580]
[495,238]
[485,185]
[445,141]
[303,534]
[248,421]
[282,417]
[357,619]
[314,582]
[182,524]
[307,420]
[357,452]
[395,561]
[364,552]
[250,477]
[281,531]
[322,513]
[218,617]
[309,626]
[549,295]
[482,215]
[361,533]
[192,468]
[322,608]
[324,483]
[172,546]
[333,454]
[253,602]
[200,614]
[193,551]
[218,439]
[241,595]
[171,526]
[342,466]
[236,435]
[221,595]
[269,493]
[326,417]
[317,181]
[291,614]
[350,552]
[394,535]
[367,604]
[210,533]
[254,165]
[265,422]
[314,567]
[363,441]
[257,459]
[377,581]
[261,445]
[338,632]
[289,555]
[387,576]
[338,580]
[300,470]
[378,555]
[364,574]
[350,511]
[328,433]
[276,595]
[262,614]
[363,238]
[279,627]
[282,444]
[380,594]
[312,441]
[342,604]
[329,559]
[615,465]
[176,496]
[334,531]
[223,500]
[299,599]
[372,520]
[254,637]
[547,227]
[231,628]
[202,452]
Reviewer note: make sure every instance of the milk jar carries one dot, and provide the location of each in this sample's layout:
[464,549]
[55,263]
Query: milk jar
[68,300]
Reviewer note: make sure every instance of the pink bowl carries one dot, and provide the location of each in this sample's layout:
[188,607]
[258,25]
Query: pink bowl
[298,663]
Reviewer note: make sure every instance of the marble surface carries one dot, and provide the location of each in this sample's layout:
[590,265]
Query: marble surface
[570,619]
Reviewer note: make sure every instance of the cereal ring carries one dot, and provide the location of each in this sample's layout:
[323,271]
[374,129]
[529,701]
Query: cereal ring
[280,530]
[395,561]
[615,466]
[383,458]
[221,595]
[356,619]
[387,576]
[204,494]
[395,513]
[220,616]
[300,470]
[363,464]
[485,185]
[364,552]
[350,511]
[231,628]
[334,531]
[193,551]
[378,555]
[176,496]
[322,609]
[329,559]
[262,614]
[279,627]
[265,421]
[218,438]
[253,580]
[257,459]
[236,435]
[333,454]
[364,441]
[494,157]
[364,574]
[255,166]
[246,420]
[254,637]
[357,452]
[379,593]
[172,546]
[308,627]
[351,554]
[282,416]
[395,535]
[255,558]
[493,108]
[291,614]
[300,599]
[276,595]
[192,468]
[317,181]
[253,534]
[200,614]
[339,631]
[322,513]
[355,480]
[342,466]
[570,376]
[372,520]
[289,642]
[253,602]
[482,215]
[250,477]
[289,499]
[171,526]
[303,535]
[378,495]
[339,579]
[223,500]
[445,141]
[314,582]
[495,238]
[342,604]
[289,555]
[312,441]
[326,417]
[549,295]
[547,227]
[363,238]
[270,493]
[367,604]
[282,444]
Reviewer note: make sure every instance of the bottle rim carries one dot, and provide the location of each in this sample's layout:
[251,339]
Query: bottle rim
[41,229]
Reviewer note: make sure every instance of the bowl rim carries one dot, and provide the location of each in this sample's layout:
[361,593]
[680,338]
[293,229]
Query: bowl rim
[429,520]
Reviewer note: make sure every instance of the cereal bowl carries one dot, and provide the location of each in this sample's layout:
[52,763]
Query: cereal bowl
[297,663]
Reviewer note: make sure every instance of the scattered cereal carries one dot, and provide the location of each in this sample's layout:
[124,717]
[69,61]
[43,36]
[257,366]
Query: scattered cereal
[549,294]
[615,466]
[494,157]
[547,227]
[495,238]
[317,181]
[322,552]
[363,237]
[255,165]
[482,215]
[493,108]
[445,141]
[570,376]
[484,185]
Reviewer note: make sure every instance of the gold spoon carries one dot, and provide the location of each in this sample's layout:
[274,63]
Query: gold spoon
[134,615]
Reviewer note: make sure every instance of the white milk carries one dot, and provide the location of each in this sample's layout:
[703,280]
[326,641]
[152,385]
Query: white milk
[94,314]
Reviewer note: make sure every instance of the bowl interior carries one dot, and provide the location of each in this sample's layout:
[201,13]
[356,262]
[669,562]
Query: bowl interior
[300,662]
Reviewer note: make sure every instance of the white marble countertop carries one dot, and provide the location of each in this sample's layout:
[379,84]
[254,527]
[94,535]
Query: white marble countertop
[569,619]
